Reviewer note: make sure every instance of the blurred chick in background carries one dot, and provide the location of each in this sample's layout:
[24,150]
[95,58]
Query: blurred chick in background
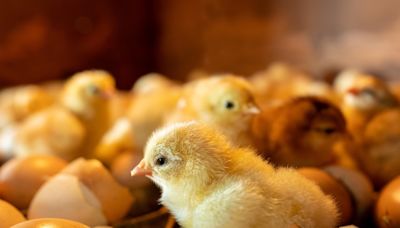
[206,182]
[78,121]
[380,156]
[280,82]
[365,96]
[153,96]
[225,102]
[304,132]
[17,104]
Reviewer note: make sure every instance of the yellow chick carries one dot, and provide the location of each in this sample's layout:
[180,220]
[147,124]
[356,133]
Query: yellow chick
[366,97]
[304,132]
[153,96]
[20,102]
[207,182]
[74,127]
[225,102]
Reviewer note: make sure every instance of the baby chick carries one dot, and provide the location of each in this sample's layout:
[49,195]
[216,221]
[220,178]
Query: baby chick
[83,113]
[207,182]
[280,82]
[366,97]
[304,132]
[152,97]
[225,102]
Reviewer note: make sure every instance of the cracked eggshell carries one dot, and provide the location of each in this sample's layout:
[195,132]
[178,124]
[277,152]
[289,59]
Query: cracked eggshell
[9,215]
[50,223]
[115,199]
[64,196]
[21,178]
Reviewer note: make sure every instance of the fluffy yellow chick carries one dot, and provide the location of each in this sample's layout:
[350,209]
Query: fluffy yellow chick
[74,127]
[366,97]
[304,132]
[225,102]
[207,182]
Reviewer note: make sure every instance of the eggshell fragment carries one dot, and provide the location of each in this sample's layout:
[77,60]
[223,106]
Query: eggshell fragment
[64,196]
[20,178]
[330,186]
[114,198]
[387,210]
[50,223]
[9,215]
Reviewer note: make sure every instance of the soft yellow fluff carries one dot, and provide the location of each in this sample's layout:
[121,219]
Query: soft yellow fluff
[206,182]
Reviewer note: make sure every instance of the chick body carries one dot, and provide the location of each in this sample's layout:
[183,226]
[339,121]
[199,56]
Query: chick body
[304,131]
[206,182]
[74,126]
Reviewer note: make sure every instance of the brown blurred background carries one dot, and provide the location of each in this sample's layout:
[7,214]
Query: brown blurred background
[42,40]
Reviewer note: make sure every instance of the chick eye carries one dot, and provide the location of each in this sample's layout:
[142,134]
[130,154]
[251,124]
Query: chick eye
[93,90]
[369,91]
[229,105]
[327,130]
[161,161]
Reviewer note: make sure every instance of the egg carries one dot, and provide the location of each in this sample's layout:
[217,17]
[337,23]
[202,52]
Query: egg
[387,209]
[9,215]
[114,198]
[50,223]
[20,178]
[330,186]
[359,186]
[64,196]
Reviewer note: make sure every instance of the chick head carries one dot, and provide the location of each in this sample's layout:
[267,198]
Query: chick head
[30,99]
[88,87]
[368,93]
[223,100]
[308,128]
[184,153]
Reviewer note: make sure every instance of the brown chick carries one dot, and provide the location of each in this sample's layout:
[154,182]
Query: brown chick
[380,156]
[225,102]
[304,132]
[83,114]
[366,97]
[207,182]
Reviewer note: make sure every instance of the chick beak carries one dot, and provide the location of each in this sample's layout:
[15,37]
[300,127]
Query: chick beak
[353,91]
[141,170]
[251,109]
[107,94]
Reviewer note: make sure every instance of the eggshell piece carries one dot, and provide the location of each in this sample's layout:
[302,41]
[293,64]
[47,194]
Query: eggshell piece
[387,210]
[64,196]
[330,186]
[114,198]
[20,178]
[9,215]
[50,223]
